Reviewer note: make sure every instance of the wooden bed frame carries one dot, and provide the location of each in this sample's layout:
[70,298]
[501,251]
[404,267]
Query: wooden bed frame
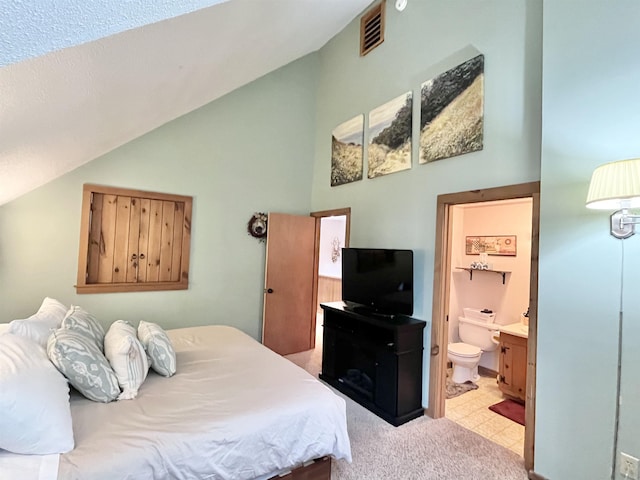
[318,469]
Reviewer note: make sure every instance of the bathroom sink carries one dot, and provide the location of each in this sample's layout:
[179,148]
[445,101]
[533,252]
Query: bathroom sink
[518,329]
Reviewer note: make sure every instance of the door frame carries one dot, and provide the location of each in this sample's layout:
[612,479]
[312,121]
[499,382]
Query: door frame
[441,291]
[319,216]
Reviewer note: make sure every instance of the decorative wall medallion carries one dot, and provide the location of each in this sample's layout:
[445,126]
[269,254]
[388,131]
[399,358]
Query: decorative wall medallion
[257,226]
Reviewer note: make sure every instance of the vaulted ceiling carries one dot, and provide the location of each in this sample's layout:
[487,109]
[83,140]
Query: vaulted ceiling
[78,79]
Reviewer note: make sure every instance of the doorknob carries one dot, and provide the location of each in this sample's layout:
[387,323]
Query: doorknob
[268,290]
[435,350]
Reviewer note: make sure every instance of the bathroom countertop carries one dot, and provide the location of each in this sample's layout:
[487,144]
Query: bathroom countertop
[518,329]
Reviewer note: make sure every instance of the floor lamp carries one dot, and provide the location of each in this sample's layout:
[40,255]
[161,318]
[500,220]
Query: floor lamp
[616,186]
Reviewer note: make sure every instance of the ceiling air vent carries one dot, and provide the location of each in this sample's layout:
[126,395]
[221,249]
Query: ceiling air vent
[372,28]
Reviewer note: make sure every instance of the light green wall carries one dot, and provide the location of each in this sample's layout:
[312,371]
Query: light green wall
[427,38]
[247,152]
[590,117]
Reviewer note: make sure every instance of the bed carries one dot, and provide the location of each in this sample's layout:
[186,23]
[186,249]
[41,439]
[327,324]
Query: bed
[234,410]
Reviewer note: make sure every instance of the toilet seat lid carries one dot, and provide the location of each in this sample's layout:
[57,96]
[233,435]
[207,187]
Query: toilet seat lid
[464,349]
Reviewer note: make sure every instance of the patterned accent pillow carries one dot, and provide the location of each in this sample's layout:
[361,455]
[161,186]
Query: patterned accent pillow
[159,348]
[39,326]
[78,358]
[127,358]
[83,322]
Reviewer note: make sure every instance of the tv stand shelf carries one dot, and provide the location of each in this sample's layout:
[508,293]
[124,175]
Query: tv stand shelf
[376,360]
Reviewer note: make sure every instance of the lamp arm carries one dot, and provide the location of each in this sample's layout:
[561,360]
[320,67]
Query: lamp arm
[628,219]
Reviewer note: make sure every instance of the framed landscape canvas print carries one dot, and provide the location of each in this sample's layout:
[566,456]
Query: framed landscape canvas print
[452,112]
[347,145]
[389,148]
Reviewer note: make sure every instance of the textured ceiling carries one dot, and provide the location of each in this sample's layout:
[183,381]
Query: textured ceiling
[68,98]
[32,29]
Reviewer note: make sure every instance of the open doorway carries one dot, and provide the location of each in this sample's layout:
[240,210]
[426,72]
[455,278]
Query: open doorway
[446,260]
[332,240]
[332,234]
[327,277]
[501,291]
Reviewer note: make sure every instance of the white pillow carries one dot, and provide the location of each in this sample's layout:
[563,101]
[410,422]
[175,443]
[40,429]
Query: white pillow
[53,307]
[83,322]
[35,417]
[39,326]
[4,327]
[159,348]
[127,358]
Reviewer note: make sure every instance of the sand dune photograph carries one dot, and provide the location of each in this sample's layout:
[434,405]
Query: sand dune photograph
[347,141]
[389,148]
[452,112]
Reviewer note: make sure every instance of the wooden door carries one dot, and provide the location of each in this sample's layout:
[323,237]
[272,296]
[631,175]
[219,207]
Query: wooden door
[289,314]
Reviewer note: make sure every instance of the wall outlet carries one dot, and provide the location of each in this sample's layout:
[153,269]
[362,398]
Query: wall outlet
[628,466]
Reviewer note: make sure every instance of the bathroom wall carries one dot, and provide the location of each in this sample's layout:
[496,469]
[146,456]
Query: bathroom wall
[510,217]
[332,229]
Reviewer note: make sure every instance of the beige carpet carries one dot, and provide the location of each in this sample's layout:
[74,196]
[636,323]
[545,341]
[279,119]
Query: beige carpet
[423,449]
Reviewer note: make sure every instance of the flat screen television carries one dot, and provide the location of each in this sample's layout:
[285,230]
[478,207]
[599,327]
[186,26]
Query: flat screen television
[380,280]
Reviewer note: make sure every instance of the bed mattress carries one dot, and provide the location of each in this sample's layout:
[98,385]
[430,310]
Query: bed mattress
[234,410]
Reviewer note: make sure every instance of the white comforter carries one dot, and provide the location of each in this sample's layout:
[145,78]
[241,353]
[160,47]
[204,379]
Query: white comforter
[234,410]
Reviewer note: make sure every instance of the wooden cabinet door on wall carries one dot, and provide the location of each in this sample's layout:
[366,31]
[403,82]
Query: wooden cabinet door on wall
[132,240]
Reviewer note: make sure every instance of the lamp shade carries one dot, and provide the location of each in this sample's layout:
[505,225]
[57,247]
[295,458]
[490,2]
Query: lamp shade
[615,185]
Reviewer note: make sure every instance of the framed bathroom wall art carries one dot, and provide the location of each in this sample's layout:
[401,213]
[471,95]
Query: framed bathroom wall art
[491,245]
[347,148]
[389,148]
[452,112]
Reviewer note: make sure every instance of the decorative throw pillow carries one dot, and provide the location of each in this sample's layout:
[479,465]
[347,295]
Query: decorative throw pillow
[83,322]
[159,348]
[4,327]
[35,417]
[39,326]
[127,358]
[85,366]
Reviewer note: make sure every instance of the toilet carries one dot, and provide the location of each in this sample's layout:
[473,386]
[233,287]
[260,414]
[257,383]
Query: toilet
[478,334]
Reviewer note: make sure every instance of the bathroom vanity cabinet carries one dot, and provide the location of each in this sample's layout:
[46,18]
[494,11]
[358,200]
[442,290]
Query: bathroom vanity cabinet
[512,378]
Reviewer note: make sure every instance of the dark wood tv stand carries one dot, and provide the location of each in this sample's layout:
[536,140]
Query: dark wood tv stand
[375,360]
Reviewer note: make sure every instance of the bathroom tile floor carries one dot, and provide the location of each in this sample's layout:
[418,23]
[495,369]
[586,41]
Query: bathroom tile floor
[471,410]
